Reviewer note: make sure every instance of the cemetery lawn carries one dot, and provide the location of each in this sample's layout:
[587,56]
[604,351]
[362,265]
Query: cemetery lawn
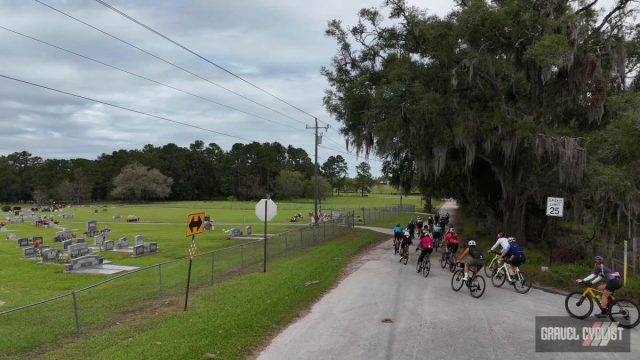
[230,320]
[23,281]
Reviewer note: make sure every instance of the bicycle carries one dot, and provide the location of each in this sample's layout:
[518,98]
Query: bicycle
[476,283]
[490,268]
[521,283]
[447,259]
[424,266]
[397,239]
[404,254]
[622,311]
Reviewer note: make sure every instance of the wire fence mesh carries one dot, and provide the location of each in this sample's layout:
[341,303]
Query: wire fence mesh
[152,287]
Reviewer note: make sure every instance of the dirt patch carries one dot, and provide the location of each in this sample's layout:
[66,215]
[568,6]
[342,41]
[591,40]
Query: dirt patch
[387,321]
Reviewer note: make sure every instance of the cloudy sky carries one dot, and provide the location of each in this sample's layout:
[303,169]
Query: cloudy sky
[277,44]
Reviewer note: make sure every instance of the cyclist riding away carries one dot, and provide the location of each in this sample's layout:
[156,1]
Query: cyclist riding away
[406,241]
[411,227]
[513,256]
[397,234]
[452,241]
[430,221]
[502,241]
[419,224]
[472,256]
[426,244]
[612,282]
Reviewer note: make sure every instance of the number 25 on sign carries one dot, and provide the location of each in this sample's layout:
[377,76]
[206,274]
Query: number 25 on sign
[555,206]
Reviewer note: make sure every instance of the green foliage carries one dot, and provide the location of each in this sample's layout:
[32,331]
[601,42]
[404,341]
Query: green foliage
[6,208]
[364,180]
[549,50]
[335,170]
[289,185]
[138,182]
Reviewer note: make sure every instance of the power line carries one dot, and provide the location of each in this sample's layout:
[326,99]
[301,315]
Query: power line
[122,107]
[145,78]
[167,61]
[125,15]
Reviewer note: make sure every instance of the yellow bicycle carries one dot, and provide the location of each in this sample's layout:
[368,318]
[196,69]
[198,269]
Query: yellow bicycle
[579,304]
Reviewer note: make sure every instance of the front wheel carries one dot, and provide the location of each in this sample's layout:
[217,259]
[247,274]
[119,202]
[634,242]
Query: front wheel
[490,269]
[477,286]
[453,263]
[522,283]
[498,278]
[625,312]
[578,306]
[456,280]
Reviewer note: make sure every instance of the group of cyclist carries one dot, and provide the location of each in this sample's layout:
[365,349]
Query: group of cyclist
[431,236]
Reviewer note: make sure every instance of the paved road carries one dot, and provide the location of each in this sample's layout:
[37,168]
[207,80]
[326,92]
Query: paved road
[429,320]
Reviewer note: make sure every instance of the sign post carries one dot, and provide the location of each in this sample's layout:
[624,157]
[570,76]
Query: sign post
[266,210]
[195,225]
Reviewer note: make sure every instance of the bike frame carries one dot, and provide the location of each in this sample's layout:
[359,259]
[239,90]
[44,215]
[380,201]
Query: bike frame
[596,295]
[506,270]
[493,260]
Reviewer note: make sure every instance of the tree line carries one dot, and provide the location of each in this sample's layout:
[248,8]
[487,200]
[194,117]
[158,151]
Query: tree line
[500,104]
[196,172]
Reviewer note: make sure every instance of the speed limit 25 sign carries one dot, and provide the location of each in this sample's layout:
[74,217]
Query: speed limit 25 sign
[555,206]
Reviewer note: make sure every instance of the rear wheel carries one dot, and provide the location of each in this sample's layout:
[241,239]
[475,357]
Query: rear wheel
[426,268]
[498,278]
[522,283]
[625,312]
[456,280]
[443,260]
[477,286]
[578,306]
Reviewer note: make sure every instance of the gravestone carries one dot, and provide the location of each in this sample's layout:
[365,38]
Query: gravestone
[83,262]
[11,236]
[139,240]
[22,242]
[153,247]
[16,221]
[62,235]
[108,245]
[248,230]
[30,253]
[92,227]
[69,242]
[233,232]
[138,250]
[78,250]
[49,254]
[208,225]
[98,240]
[122,243]
[116,217]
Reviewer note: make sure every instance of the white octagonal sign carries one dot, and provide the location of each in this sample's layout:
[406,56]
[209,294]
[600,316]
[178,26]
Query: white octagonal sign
[271,210]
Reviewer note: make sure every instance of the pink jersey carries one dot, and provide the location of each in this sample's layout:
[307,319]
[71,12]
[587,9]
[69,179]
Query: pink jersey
[426,242]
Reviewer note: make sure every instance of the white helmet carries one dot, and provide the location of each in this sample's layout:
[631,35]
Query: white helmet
[471,243]
[406,233]
[512,239]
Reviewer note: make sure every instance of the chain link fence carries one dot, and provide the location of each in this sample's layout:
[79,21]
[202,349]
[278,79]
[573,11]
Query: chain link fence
[149,289]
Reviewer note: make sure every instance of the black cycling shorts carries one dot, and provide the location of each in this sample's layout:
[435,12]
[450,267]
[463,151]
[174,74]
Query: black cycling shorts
[515,260]
[613,284]
[452,248]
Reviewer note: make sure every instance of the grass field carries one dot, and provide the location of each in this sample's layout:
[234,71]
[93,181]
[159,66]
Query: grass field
[229,320]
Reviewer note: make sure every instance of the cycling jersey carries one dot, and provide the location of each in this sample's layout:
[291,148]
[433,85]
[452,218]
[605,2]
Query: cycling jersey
[426,242]
[503,242]
[452,238]
[397,230]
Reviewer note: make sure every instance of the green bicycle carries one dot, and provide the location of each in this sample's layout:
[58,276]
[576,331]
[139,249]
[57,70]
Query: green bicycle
[491,267]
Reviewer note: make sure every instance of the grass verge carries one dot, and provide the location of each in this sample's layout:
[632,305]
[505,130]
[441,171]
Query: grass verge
[228,321]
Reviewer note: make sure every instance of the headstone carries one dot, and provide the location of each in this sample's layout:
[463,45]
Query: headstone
[139,240]
[138,250]
[108,245]
[153,247]
[92,227]
[11,236]
[49,254]
[62,235]
[116,217]
[78,250]
[22,242]
[248,230]
[208,225]
[30,252]
[16,221]
[122,243]
[98,240]
[84,261]
[233,232]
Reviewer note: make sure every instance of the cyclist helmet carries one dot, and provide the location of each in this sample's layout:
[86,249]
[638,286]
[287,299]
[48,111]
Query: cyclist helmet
[500,234]
[512,239]
[471,243]
[599,259]
[406,233]
[452,230]
[398,225]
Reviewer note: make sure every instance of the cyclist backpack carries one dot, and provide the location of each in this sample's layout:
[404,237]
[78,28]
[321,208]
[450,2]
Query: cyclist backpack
[516,249]
[475,252]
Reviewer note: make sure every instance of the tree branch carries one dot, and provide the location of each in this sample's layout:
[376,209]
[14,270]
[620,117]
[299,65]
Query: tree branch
[587,7]
[620,6]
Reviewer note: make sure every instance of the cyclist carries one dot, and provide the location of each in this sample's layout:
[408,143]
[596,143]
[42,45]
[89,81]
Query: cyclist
[502,241]
[437,235]
[513,256]
[411,227]
[426,244]
[612,282]
[397,235]
[430,221]
[419,224]
[406,242]
[446,218]
[452,241]
[472,256]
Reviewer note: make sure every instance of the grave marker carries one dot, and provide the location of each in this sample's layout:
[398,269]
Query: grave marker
[22,242]
[108,245]
[29,253]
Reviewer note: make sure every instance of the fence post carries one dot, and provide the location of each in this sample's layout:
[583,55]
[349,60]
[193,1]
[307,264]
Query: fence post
[634,247]
[301,238]
[624,264]
[285,244]
[212,268]
[160,280]
[75,311]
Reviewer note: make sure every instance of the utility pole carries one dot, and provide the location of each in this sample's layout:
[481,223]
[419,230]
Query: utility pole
[315,185]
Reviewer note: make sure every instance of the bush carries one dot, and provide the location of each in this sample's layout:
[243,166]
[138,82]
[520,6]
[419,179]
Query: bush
[6,208]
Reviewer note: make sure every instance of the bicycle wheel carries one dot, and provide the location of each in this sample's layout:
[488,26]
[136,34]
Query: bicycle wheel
[477,286]
[443,260]
[490,269]
[578,306]
[625,312]
[456,280]
[522,283]
[453,264]
[405,258]
[426,268]
[418,266]
[498,278]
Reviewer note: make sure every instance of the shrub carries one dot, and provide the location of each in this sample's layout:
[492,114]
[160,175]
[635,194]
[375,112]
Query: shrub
[6,208]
